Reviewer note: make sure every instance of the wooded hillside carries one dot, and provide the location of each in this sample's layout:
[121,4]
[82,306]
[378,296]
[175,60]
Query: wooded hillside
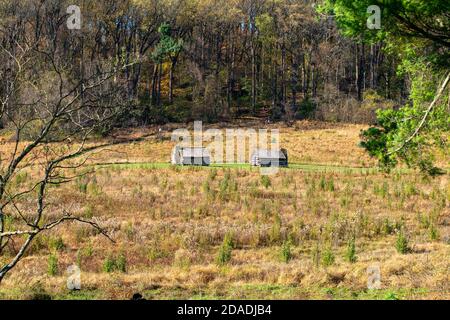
[212,59]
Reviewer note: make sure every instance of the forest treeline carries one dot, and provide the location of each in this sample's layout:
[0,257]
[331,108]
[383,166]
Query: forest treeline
[210,59]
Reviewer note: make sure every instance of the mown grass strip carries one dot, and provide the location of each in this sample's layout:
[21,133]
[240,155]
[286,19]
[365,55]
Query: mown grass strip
[295,166]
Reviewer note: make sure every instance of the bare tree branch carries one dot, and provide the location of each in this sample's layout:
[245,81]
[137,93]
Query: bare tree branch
[425,117]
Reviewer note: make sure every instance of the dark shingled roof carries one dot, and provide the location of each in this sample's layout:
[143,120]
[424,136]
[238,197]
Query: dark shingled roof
[195,153]
[269,154]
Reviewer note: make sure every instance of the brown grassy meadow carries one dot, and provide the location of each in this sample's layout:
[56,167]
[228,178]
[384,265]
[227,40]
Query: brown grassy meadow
[288,236]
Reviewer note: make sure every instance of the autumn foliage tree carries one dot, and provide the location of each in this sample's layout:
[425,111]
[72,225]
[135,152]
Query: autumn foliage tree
[417,31]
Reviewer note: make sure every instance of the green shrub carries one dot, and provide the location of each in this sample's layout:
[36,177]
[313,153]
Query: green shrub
[83,253]
[121,263]
[82,184]
[93,188]
[56,244]
[224,186]
[387,227]
[212,175]
[326,185]
[286,254]
[330,185]
[206,187]
[410,190]
[265,181]
[88,212]
[323,183]
[402,244]
[155,253]
[381,191]
[306,109]
[112,264]
[109,264]
[351,251]
[225,250]
[52,265]
[316,255]
[275,231]
[328,257]
[434,233]
[129,231]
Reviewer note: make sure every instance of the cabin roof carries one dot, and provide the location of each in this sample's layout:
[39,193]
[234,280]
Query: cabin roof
[269,154]
[195,152]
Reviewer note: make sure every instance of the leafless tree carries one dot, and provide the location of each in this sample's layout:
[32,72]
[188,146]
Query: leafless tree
[52,112]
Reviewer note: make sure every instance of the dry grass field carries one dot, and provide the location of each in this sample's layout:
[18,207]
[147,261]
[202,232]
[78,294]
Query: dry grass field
[309,232]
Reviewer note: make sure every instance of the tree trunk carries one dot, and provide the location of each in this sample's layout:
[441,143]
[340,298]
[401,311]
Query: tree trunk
[230,85]
[363,69]
[294,84]
[158,99]
[357,73]
[283,77]
[360,71]
[372,66]
[306,76]
[274,83]
[154,84]
[171,79]
[307,80]
[314,80]
[253,93]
